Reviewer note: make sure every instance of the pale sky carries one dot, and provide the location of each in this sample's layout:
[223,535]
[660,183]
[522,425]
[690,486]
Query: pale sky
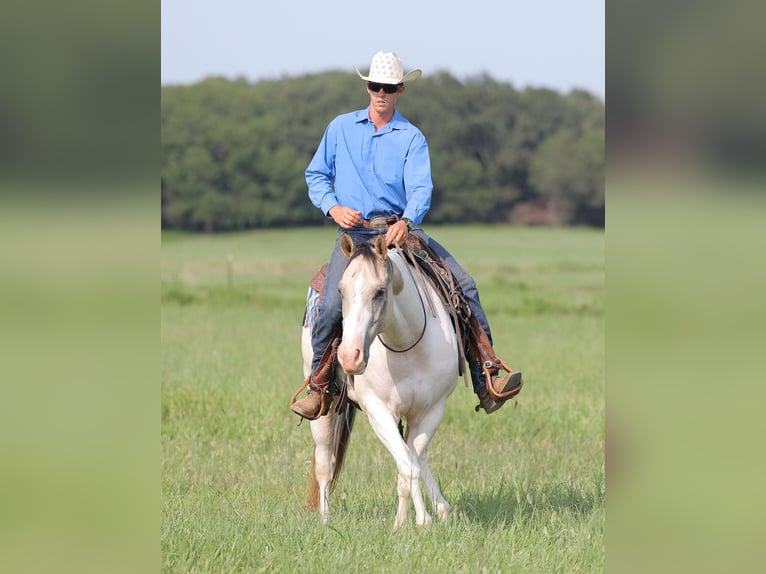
[557,44]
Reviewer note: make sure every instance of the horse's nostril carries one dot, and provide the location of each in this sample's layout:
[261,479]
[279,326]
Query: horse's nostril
[351,358]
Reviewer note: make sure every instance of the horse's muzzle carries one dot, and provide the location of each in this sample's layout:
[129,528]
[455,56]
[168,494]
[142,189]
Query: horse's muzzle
[352,358]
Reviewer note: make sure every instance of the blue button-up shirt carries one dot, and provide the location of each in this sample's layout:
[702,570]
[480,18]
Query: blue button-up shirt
[383,172]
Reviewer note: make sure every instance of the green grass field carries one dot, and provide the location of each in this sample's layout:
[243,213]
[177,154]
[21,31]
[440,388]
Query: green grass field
[526,483]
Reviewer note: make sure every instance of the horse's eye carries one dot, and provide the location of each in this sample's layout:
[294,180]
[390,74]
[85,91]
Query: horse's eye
[379,293]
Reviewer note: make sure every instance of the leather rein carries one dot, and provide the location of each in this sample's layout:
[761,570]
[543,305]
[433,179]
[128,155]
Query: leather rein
[389,264]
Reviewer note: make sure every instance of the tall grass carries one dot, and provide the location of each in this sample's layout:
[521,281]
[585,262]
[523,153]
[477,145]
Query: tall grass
[526,483]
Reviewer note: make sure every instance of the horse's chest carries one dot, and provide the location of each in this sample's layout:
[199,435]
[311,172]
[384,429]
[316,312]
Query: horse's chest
[397,396]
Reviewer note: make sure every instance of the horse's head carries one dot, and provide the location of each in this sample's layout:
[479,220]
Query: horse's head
[369,282]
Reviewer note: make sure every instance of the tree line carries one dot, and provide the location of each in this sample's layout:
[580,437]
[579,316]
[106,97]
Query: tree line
[234,152]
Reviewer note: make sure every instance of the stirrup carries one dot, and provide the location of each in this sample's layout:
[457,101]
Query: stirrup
[510,384]
[322,398]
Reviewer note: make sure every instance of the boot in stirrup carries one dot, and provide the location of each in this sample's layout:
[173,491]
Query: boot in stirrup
[321,392]
[316,403]
[485,367]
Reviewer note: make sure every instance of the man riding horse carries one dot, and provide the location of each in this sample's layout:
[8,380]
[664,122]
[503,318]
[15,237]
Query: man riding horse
[371,175]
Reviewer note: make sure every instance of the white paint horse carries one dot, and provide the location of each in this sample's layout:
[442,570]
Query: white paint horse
[399,351]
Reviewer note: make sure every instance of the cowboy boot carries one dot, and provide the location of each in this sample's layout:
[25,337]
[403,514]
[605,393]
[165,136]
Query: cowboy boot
[321,390]
[485,368]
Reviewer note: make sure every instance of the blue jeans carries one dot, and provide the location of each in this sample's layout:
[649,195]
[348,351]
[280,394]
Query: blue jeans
[330,307]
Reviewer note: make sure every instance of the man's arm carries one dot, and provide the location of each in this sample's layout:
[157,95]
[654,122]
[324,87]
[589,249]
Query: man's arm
[320,173]
[417,180]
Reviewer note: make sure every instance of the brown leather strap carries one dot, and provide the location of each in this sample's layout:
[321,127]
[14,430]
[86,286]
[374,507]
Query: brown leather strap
[321,378]
[319,381]
[317,281]
[480,350]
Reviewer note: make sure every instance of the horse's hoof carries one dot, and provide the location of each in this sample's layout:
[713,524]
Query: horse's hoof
[426,522]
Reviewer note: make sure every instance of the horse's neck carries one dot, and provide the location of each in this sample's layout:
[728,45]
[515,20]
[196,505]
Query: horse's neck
[407,306]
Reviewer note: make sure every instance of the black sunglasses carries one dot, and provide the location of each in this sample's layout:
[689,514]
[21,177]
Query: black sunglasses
[387,88]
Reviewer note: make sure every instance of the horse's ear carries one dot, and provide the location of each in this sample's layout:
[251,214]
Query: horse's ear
[346,245]
[381,249]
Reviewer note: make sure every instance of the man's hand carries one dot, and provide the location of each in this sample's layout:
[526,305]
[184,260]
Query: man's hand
[345,217]
[397,233]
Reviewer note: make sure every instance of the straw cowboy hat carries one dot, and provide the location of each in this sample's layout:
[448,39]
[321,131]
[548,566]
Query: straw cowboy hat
[386,68]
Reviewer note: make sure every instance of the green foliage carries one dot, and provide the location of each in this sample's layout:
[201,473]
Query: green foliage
[526,483]
[569,168]
[234,153]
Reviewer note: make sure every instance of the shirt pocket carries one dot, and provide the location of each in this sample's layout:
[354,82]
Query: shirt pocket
[389,165]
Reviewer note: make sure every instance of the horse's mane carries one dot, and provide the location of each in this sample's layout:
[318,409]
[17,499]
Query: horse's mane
[366,250]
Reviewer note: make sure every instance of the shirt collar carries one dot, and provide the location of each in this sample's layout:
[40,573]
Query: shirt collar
[397,120]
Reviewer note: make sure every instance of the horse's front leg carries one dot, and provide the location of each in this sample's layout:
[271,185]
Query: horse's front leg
[440,505]
[403,490]
[421,431]
[385,427]
[405,493]
[321,431]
